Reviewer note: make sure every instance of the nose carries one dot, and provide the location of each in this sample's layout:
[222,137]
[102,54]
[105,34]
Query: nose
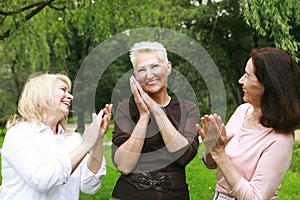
[69,95]
[149,72]
[241,80]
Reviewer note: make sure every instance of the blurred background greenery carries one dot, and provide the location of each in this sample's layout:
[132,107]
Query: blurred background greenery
[53,36]
[56,36]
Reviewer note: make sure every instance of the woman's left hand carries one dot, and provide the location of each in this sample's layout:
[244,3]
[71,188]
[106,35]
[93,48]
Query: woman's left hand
[213,134]
[106,119]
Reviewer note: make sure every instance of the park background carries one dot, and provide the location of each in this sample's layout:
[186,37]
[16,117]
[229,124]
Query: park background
[40,36]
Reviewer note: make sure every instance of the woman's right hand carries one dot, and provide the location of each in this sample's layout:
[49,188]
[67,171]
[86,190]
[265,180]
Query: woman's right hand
[92,132]
[143,109]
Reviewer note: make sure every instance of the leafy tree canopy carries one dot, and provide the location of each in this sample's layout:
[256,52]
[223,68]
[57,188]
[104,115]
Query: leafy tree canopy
[277,19]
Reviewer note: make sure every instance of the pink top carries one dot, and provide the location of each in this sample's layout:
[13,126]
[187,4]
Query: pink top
[262,158]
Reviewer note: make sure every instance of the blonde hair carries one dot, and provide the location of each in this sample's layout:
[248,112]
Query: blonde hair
[145,47]
[36,98]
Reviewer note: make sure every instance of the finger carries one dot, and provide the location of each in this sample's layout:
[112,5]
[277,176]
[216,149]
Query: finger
[146,98]
[104,121]
[94,116]
[107,109]
[218,121]
[198,128]
[100,115]
[134,81]
[107,117]
[223,130]
[132,86]
[205,123]
[133,78]
[139,88]
[200,131]
[223,133]
[137,97]
[207,120]
[135,87]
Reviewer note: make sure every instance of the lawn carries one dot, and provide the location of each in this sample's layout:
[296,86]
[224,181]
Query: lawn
[201,180]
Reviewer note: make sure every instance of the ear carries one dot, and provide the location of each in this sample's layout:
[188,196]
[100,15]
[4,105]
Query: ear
[169,67]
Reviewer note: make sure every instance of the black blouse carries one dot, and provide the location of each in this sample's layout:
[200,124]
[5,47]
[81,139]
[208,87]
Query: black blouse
[154,156]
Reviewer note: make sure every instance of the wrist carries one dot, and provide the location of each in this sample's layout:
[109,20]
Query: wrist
[218,155]
[155,109]
[143,121]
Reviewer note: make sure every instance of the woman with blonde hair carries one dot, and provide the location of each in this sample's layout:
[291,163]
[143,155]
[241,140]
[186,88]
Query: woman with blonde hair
[41,159]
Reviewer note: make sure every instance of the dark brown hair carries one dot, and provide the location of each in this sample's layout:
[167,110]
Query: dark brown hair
[280,75]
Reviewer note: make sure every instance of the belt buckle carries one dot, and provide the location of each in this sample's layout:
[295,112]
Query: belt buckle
[152,182]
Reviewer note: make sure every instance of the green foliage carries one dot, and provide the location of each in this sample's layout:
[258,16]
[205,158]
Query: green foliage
[275,19]
[56,36]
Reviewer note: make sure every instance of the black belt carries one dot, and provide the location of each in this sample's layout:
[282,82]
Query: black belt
[162,181]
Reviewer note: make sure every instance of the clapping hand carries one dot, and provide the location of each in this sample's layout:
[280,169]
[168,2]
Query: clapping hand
[213,134]
[104,125]
[97,129]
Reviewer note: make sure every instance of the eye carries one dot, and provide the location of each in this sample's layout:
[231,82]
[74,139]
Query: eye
[63,89]
[155,65]
[246,76]
[141,70]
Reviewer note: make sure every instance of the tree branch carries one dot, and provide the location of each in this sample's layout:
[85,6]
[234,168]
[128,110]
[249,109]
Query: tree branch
[39,6]
[56,8]
[21,9]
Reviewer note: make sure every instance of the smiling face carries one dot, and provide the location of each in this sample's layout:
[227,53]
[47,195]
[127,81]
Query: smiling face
[151,72]
[253,89]
[62,98]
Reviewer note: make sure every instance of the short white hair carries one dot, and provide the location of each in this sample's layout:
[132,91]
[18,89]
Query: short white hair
[146,46]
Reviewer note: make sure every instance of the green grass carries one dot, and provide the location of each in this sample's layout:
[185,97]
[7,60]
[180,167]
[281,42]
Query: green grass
[201,180]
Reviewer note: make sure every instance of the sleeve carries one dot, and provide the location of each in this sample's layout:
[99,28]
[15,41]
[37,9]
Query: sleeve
[208,161]
[270,171]
[90,182]
[189,118]
[122,119]
[28,159]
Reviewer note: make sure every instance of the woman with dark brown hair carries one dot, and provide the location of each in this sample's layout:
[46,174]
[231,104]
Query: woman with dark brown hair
[253,152]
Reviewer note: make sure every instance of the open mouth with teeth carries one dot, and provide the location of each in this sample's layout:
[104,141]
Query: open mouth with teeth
[151,82]
[66,103]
